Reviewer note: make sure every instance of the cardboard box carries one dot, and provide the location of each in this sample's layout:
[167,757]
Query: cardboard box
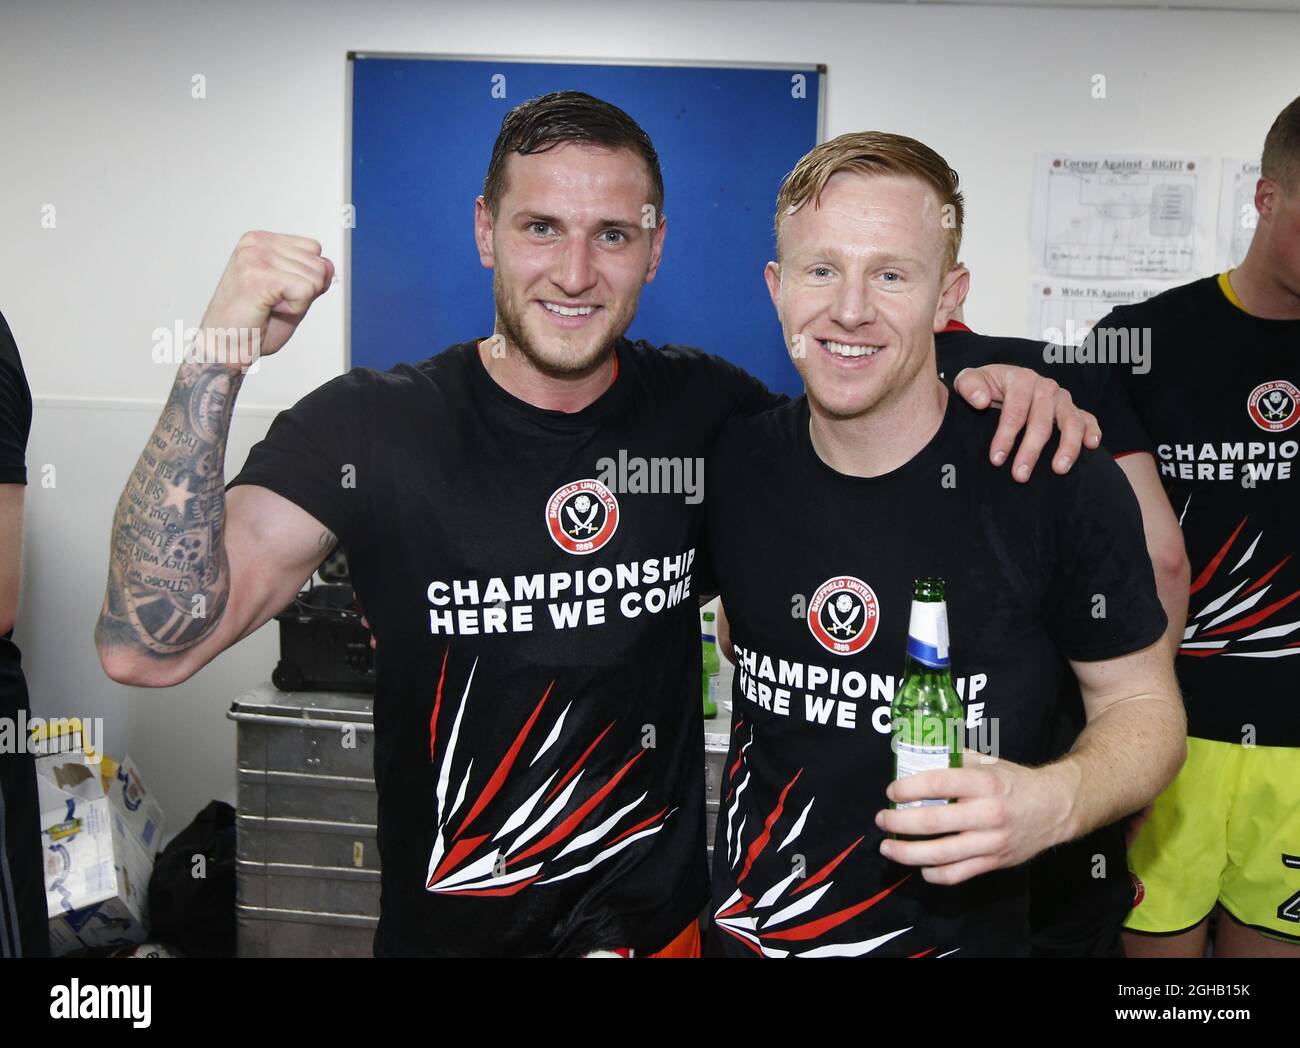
[129,795]
[100,832]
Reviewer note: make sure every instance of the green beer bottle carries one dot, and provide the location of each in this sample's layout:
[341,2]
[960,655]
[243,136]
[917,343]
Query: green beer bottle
[928,719]
[712,667]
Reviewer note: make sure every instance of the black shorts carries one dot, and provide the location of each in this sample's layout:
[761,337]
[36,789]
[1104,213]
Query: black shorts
[1073,911]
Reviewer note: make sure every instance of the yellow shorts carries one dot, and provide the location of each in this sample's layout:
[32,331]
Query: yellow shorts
[1227,830]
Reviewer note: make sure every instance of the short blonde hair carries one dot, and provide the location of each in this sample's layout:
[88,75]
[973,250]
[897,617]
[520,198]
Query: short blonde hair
[873,153]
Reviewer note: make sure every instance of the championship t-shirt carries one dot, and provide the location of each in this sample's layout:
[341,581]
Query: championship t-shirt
[816,570]
[532,580]
[1081,890]
[1221,405]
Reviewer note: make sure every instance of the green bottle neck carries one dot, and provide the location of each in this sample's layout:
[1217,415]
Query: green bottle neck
[914,670]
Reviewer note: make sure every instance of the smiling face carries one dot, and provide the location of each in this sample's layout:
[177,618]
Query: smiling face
[569,253]
[861,288]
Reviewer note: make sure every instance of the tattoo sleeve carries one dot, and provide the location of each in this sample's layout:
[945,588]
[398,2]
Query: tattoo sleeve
[168,576]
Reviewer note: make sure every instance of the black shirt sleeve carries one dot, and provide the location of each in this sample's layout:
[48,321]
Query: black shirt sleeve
[740,395]
[1121,432]
[1103,601]
[15,410]
[1093,387]
[317,454]
[741,391]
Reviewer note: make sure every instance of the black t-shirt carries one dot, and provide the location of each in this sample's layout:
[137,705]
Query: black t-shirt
[15,410]
[1221,404]
[23,927]
[1093,387]
[15,426]
[797,867]
[533,589]
[1077,901]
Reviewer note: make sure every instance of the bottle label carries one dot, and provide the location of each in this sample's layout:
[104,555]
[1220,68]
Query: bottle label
[713,689]
[913,759]
[927,634]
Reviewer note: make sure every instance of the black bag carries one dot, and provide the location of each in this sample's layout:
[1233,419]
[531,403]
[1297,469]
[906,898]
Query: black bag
[323,646]
[197,914]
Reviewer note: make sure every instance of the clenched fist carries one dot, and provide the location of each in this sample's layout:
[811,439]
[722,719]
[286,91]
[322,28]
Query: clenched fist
[269,284]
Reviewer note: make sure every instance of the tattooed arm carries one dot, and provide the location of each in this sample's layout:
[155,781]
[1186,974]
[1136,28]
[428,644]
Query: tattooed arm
[193,570]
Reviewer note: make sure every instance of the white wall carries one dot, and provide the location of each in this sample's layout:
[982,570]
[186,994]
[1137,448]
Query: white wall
[179,737]
[152,188]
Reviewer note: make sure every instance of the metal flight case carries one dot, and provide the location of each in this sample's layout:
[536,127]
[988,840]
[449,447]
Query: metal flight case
[307,863]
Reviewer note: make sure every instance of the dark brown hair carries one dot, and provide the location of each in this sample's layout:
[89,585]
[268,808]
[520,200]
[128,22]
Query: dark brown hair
[568,116]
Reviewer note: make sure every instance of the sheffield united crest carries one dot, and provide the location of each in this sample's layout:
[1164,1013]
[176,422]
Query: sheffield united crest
[582,516]
[1274,406]
[843,615]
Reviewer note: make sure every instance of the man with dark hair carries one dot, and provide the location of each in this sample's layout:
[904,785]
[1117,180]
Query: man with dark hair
[1220,403]
[23,930]
[537,717]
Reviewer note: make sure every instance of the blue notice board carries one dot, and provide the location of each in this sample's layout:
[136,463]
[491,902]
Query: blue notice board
[422,130]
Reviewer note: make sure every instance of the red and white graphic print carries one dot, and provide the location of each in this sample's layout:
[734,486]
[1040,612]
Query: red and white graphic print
[582,516]
[568,824]
[786,919]
[843,615]
[1236,609]
[1274,406]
